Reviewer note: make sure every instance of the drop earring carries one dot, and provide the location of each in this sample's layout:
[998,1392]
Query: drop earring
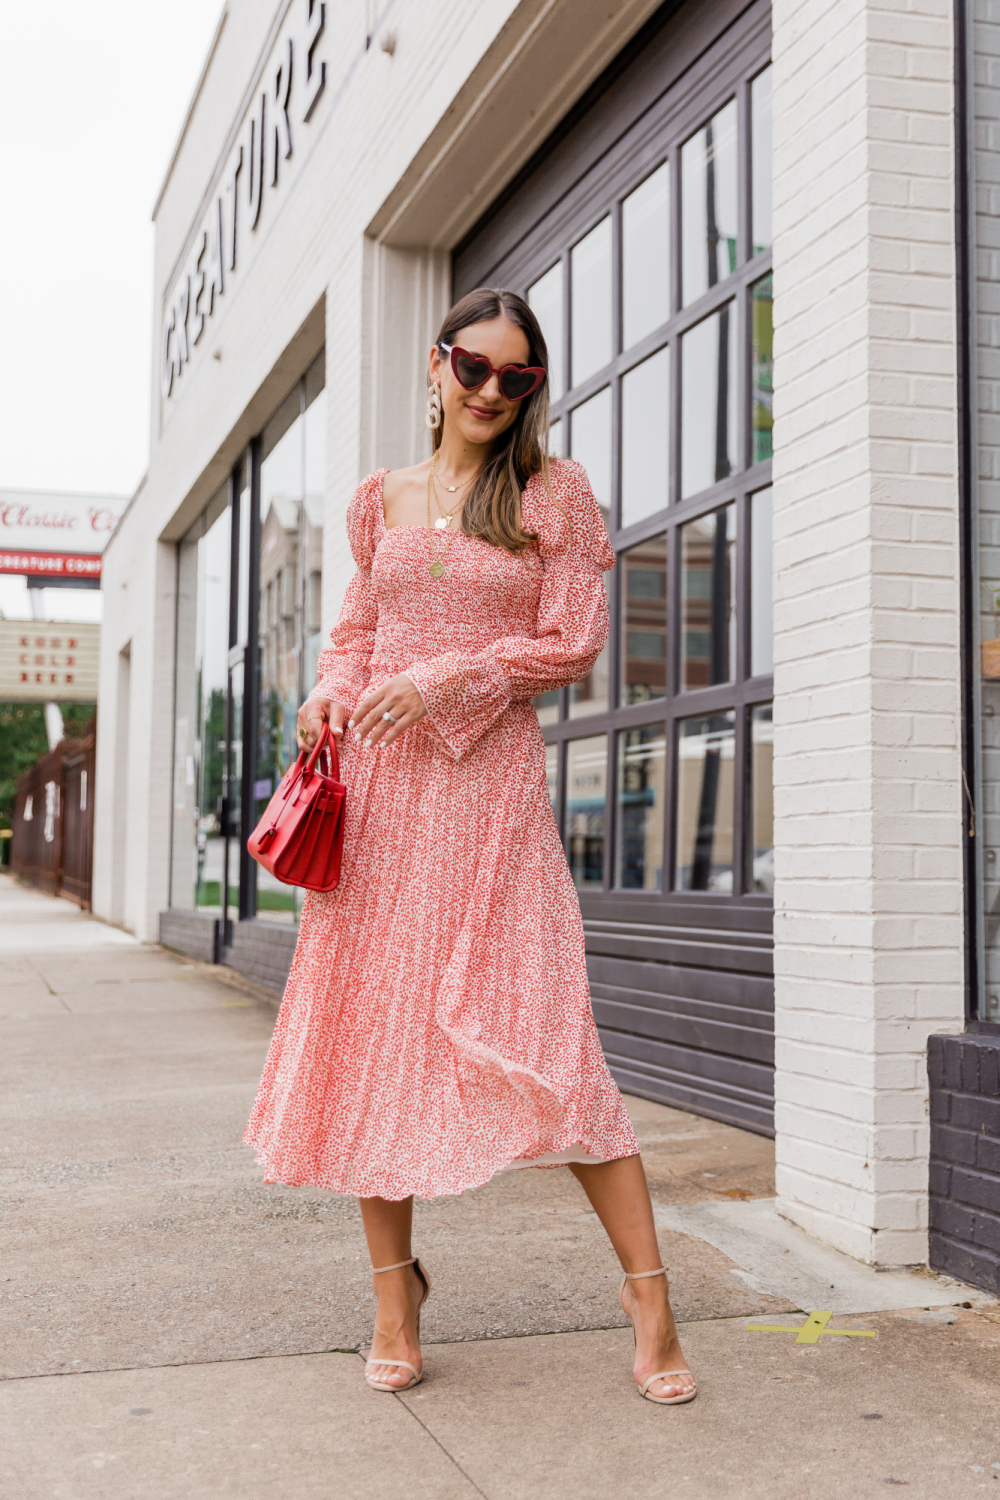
[433,418]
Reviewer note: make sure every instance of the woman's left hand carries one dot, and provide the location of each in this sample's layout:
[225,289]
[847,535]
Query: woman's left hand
[397,697]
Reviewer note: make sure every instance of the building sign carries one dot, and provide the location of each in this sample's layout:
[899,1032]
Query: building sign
[65,525]
[272,133]
[46,663]
[51,564]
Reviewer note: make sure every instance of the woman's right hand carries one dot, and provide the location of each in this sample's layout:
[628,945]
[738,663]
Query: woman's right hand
[313,713]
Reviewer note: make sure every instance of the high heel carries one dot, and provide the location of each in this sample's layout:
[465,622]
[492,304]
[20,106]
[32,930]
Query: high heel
[660,1374]
[416,1376]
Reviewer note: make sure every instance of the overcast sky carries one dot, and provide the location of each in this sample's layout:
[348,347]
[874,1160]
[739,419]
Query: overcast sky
[93,98]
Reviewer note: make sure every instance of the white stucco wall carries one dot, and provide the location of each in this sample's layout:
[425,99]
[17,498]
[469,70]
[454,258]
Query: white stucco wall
[868,798]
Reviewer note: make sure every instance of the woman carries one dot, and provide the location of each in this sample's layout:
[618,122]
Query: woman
[436,1027]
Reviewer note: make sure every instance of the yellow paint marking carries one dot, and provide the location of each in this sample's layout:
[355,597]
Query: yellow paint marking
[811,1329]
[234,1004]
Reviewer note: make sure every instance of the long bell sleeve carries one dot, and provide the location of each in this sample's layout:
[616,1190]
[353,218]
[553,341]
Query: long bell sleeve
[343,668]
[465,694]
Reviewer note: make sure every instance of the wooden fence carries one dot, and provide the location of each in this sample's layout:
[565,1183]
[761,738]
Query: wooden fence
[53,843]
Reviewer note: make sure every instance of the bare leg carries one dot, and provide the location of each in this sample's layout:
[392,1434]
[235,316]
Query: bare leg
[387,1229]
[619,1196]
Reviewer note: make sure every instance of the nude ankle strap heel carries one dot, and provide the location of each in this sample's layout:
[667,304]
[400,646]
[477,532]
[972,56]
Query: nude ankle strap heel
[403,1364]
[644,1390]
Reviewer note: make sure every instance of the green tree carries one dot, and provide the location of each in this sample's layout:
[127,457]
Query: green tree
[23,740]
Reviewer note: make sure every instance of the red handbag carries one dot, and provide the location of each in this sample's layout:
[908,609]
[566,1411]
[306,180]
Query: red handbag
[300,838]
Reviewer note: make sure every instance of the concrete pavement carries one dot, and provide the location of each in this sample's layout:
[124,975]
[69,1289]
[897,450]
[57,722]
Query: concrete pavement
[172,1327]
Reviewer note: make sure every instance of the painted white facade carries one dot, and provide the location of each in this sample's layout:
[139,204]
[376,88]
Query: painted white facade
[869,945]
[401,155]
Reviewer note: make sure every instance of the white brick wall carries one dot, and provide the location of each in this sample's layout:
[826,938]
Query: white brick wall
[868,889]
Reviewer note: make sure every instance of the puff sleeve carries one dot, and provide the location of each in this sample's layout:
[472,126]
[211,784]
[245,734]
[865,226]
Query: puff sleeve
[466,694]
[344,667]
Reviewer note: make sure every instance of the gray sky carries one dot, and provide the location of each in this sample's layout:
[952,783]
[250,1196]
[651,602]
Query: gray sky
[93,99]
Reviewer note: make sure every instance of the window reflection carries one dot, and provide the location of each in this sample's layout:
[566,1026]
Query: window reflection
[761,586]
[644,620]
[645,438]
[709,204]
[545,298]
[642,761]
[586,809]
[590,270]
[705,759]
[200,732]
[762,374]
[761,842]
[761,147]
[292,483]
[552,775]
[590,436]
[708,408]
[547,707]
[646,257]
[708,613]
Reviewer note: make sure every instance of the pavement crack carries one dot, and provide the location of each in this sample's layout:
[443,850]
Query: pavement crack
[449,1456]
[54,993]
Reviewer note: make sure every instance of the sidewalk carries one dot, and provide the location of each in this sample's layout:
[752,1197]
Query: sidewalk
[175,1330]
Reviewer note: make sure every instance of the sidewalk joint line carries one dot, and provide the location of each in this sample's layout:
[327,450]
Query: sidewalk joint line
[420,1423]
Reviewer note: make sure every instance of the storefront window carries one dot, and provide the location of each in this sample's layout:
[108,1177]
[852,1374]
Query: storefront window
[710,204]
[202,709]
[708,408]
[708,615]
[706,753]
[248,638]
[292,470]
[642,760]
[586,810]
[656,301]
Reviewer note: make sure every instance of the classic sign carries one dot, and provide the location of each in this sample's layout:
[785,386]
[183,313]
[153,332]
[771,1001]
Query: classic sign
[67,525]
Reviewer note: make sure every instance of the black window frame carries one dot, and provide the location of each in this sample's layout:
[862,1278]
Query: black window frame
[590,190]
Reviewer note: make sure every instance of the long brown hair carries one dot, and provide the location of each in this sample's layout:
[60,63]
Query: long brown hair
[493,506]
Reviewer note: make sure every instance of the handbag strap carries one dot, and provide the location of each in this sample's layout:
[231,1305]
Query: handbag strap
[326,742]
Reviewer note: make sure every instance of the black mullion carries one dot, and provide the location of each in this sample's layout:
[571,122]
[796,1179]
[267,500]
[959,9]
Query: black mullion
[672,810]
[251,687]
[567,330]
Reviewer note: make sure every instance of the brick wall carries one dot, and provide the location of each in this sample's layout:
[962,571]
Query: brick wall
[868,887]
[965,1158]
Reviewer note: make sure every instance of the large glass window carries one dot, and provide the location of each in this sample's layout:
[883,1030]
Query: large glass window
[706,753]
[586,810]
[202,709]
[248,637]
[642,760]
[292,473]
[708,615]
[656,302]
[710,204]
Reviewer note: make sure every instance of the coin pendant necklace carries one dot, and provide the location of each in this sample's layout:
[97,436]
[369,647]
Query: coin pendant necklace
[436,566]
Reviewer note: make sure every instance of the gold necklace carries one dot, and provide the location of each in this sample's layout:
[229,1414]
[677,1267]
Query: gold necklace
[436,566]
[444,516]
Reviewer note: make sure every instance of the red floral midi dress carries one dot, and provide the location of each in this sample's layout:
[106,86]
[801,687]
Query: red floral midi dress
[436,1027]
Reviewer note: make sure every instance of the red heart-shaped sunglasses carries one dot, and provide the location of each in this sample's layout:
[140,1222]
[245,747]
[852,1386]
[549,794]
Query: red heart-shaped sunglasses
[473,370]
